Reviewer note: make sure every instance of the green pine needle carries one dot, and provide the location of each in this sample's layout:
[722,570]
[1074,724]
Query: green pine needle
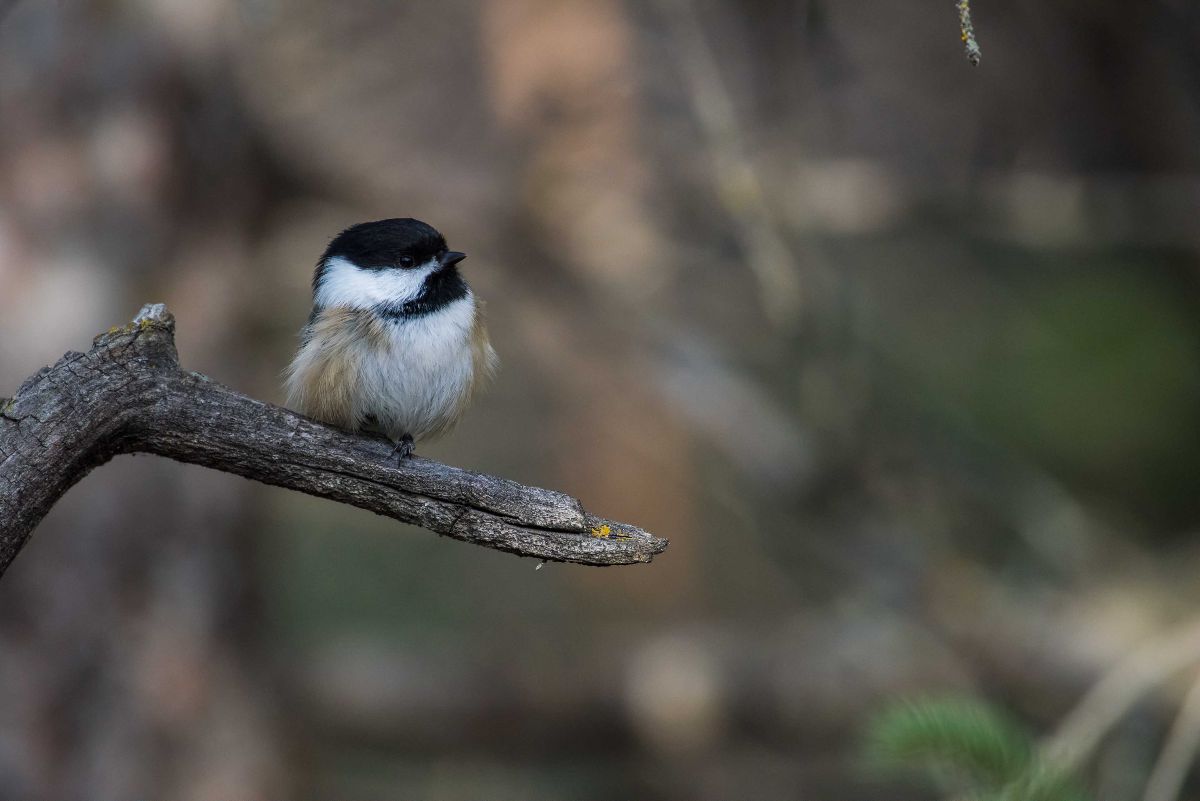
[970,749]
[956,739]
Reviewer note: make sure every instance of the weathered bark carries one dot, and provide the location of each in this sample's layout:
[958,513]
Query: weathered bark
[128,394]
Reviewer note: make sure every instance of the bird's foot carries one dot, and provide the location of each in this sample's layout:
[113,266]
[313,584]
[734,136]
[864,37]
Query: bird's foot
[404,448]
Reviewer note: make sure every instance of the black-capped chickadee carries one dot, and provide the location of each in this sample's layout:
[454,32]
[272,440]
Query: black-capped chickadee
[396,342]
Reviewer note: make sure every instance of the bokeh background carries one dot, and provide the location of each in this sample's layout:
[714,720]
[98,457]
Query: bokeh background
[902,355]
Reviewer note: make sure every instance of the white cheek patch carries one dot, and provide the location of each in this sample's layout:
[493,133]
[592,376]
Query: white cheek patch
[344,284]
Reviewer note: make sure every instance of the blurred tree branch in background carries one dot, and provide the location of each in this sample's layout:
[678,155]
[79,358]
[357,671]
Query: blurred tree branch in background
[739,187]
[129,395]
[1120,689]
[1178,751]
[966,740]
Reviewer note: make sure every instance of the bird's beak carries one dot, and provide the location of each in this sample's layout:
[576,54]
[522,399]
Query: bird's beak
[452,257]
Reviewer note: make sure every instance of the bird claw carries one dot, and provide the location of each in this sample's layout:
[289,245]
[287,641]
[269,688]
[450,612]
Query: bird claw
[403,449]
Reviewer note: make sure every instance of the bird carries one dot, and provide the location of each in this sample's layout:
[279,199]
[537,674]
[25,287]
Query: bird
[396,343]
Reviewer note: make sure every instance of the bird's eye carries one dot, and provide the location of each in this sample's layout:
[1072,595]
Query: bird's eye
[406,262]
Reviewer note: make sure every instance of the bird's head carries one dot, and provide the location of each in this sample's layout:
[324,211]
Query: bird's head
[385,262]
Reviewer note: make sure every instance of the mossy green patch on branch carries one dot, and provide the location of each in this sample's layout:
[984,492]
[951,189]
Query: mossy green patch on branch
[134,327]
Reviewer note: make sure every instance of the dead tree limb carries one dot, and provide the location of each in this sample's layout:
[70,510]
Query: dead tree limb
[128,394]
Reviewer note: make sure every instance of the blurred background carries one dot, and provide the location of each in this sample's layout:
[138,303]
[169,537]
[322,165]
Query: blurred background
[902,355]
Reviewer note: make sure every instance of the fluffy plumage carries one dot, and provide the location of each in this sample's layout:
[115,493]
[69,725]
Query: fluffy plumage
[396,341]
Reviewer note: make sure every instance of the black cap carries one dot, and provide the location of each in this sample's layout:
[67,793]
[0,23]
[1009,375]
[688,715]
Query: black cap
[384,243]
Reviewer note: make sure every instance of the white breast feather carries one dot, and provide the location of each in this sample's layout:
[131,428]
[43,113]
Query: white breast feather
[416,385]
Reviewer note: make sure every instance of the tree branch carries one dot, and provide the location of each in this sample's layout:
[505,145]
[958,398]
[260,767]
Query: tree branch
[1118,690]
[128,394]
[1178,752]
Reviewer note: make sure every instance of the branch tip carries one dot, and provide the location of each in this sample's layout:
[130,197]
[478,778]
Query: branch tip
[154,313]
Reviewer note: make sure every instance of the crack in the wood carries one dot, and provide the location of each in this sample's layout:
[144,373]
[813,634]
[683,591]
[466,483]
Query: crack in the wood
[464,506]
[567,539]
[4,415]
[454,523]
[457,500]
[32,381]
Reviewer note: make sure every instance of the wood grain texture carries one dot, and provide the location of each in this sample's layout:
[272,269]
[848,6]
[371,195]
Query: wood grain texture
[128,394]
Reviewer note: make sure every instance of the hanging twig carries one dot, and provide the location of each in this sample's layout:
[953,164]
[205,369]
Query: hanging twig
[968,31]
